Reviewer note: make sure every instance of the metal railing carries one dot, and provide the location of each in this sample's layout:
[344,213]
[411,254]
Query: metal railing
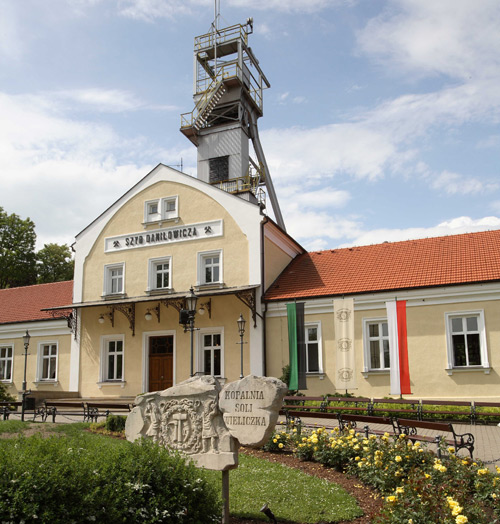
[223,35]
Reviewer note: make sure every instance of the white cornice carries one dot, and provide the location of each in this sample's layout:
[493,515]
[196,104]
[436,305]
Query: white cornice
[416,297]
[48,328]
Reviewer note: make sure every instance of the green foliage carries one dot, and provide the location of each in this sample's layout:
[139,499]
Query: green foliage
[116,423]
[419,488]
[4,395]
[17,251]
[279,441]
[13,426]
[87,479]
[54,263]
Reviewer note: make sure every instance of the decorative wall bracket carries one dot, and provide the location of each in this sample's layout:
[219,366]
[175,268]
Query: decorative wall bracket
[248,298]
[177,303]
[126,309]
[70,316]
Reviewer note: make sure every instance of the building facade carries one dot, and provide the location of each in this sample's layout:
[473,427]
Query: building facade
[123,326]
[450,288]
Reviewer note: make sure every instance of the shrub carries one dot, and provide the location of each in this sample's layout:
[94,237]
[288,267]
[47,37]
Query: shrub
[4,396]
[116,423]
[278,441]
[86,479]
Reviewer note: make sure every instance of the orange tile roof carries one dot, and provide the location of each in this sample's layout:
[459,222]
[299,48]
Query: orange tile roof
[24,304]
[455,259]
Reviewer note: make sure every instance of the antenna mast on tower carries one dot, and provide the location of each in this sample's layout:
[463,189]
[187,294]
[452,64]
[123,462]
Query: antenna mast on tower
[228,97]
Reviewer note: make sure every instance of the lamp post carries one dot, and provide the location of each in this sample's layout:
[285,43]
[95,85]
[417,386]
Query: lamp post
[26,342]
[241,330]
[187,318]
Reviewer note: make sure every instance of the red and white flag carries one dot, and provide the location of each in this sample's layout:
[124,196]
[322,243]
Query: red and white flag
[398,347]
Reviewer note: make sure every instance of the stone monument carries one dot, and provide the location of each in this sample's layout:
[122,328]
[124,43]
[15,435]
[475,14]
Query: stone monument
[208,423]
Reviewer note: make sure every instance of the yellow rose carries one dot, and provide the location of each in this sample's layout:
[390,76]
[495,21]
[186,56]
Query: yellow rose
[461,519]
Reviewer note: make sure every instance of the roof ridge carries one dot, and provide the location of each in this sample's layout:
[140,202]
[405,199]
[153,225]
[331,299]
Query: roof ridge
[37,285]
[362,246]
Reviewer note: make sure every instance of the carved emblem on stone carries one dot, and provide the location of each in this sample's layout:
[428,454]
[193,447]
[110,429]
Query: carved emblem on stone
[198,419]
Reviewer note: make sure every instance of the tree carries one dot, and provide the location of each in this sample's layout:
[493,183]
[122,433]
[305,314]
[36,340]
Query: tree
[54,263]
[17,251]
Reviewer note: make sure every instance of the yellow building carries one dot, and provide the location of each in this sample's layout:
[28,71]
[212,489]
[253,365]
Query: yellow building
[449,290]
[125,325]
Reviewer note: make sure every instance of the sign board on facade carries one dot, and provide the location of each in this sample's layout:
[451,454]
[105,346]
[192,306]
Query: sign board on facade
[167,235]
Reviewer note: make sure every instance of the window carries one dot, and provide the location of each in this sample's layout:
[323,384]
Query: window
[313,348]
[161,209]
[218,169]
[159,273]
[112,359]
[376,343]
[210,268]
[6,357]
[114,279]
[211,348]
[47,352]
[170,208]
[466,340]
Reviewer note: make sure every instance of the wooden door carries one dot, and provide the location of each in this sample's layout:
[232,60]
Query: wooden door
[161,362]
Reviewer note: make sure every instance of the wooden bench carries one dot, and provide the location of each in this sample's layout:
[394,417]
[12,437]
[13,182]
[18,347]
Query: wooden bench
[447,412]
[476,413]
[395,405]
[64,408]
[409,427]
[7,407]
[347,421]
[104,409]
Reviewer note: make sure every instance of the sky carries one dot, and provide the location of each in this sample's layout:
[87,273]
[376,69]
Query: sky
[382,122]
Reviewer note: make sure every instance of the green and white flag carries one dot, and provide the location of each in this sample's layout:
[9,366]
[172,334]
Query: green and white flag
[296,346]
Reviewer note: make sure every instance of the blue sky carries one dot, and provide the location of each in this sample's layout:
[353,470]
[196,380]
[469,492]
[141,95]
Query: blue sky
[381,123]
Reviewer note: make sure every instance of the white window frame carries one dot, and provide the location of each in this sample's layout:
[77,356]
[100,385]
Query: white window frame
[149,214]
[41,358]
[485,365]
[103,368]
[161,213]
[108,268]
[170,215]
[319,341]
[202,256]
[152,263]
[7,359]
[201,349]
[366,345]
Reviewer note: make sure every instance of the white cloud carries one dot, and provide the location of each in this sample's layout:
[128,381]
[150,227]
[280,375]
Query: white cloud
[450,227]
[458,38]
[297,153]
[453,183]
[71,170]
[149,10]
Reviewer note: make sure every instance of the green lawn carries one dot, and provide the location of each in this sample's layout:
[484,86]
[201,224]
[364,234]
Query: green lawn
[292,495]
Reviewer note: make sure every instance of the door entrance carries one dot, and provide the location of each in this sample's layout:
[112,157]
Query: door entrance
[161,362]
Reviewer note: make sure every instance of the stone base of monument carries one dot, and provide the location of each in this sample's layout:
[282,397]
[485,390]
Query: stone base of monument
[207,423]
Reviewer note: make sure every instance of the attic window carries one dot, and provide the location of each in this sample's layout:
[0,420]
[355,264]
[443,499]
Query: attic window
[218,169]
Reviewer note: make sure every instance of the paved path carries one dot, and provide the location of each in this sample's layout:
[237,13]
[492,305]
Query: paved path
[486,446]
